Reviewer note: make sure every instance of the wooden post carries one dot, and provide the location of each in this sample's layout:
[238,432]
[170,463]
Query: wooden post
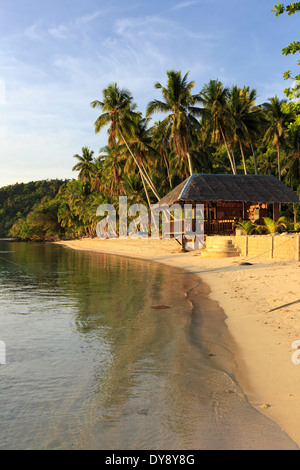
[272,246]
[276,211]
[208,218]
[194,218]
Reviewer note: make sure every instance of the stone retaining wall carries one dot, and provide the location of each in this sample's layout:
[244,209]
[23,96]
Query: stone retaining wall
[267,246]
[285,246]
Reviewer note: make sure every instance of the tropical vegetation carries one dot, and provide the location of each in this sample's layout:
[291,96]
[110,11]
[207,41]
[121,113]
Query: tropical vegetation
[212,129]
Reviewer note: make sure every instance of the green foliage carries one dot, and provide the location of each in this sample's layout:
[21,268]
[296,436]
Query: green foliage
[18,200]
[40,223]
[292,48]
[291,8]
[226,132]
[272,226]
[247,227]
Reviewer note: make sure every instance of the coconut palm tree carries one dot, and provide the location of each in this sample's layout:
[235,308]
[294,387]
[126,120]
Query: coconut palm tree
[277,130]
[160,139]
[118,111]
[97,174]
[85,164]
[247,118]
[273,226]
[217,116]
[133,189]
[292,164]
[179,103]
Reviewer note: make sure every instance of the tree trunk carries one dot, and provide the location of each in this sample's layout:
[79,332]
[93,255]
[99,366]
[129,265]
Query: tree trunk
[146,192]
[142,173]
[295,213]
[190,163]
[168,169]
[243,155]
[279,166]
[228,151]
[233,161]
[254,157]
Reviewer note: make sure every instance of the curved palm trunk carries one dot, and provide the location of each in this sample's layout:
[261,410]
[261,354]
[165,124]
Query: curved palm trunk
[142,173]
[168,170]
[190,163]
[146,192]
[243,155]
[232,162]
[254,157]
[279,165]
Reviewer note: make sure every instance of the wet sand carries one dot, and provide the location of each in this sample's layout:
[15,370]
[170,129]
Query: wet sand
[261,340]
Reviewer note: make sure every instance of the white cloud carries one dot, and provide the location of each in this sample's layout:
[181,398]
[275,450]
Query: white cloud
[59,32]
[181,5]
[88,18]
[34,32]
[62,30]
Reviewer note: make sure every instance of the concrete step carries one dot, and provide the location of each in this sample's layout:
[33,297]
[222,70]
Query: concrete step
[219,247]
[221,254]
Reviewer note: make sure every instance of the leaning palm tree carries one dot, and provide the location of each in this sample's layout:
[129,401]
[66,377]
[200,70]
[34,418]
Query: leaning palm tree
[217,116]
[277,126]
[179,103]
[118,111]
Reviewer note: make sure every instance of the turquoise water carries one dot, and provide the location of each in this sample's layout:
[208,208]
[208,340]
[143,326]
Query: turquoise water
[90,364]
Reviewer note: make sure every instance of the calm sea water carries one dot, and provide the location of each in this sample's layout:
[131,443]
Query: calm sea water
[90,364]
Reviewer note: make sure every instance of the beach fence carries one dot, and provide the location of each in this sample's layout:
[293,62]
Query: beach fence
[284,246]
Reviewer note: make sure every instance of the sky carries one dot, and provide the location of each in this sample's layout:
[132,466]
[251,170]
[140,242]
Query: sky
[57,56]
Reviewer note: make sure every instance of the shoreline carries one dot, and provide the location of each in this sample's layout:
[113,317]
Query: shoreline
[246,294]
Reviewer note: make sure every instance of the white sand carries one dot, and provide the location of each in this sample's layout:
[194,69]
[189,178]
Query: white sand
[246,294]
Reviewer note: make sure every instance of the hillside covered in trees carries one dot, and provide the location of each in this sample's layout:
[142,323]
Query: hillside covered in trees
[18,200]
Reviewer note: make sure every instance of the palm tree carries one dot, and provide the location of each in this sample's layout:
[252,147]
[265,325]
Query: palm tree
[85,164]
[119,113]
[273,226]
[247,118]
[112,166]
[216,114]
[277,126]
[292,166]
[247,226]
[160,139]
[179,104]
[97,174]
[133,189]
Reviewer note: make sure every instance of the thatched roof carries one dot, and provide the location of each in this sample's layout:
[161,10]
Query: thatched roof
[231,188]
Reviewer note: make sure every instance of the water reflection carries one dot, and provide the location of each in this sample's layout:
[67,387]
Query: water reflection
[91,365]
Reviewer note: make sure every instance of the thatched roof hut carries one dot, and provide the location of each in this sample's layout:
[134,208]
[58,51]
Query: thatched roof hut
[229,198]
[202,188]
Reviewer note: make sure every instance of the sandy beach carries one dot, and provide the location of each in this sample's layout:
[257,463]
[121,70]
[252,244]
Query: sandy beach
[260,303]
